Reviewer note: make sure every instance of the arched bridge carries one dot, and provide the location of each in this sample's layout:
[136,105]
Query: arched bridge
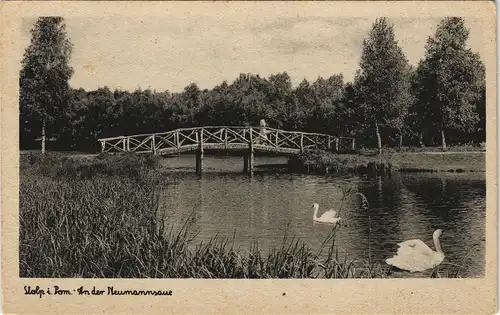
[247,139]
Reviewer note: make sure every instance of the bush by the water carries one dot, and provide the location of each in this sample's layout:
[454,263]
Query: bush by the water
[366,162]
[455,148]
[317,161]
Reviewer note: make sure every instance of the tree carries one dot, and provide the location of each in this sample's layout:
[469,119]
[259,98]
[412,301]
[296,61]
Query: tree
[326,114]
[481,112]
[399,118]
[45,73]
[420,112]
[352,118]
[383,83]
[281,98]
[451,76]
[250,94]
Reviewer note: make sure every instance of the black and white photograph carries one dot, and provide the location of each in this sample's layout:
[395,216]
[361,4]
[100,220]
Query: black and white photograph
[257,143]
[342,170]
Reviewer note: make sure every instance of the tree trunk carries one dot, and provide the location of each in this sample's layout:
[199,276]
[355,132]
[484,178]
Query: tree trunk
[43,136]
[421,139]
[400,141]
[379,140]
[443,139]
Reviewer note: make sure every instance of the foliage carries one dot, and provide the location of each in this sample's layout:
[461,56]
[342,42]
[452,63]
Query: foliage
[451,80]
[380,93]
[368,162]
[317,161]
[383,82]
[44,78]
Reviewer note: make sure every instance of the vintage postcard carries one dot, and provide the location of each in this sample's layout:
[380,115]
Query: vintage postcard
[248,157]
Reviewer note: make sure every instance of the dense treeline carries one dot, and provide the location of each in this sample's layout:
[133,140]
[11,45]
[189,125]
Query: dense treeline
[410,110]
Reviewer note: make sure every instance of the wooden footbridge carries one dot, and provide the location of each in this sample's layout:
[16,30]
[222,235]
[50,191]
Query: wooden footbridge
[245,139]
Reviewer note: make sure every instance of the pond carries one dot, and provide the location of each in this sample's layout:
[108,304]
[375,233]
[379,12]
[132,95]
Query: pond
[270,205]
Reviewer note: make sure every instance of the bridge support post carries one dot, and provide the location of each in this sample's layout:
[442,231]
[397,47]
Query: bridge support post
[301,143]
[199,154]
[248,163]
[248,158]
[153,144]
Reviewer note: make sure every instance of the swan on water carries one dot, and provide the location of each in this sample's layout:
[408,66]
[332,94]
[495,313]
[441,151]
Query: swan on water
[415,255]
[328,217]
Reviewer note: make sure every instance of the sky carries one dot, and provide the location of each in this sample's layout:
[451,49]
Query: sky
[170,52]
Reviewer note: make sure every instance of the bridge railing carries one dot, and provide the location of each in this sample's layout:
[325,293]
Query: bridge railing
[228,137]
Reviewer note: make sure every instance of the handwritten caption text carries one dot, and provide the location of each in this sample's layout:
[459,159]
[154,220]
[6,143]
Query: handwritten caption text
[109,290]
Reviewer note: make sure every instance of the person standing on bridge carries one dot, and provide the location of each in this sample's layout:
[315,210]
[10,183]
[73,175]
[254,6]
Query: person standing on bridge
[263,132]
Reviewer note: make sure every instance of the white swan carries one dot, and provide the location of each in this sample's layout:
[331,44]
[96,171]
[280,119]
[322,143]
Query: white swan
[415,255]
[327,217]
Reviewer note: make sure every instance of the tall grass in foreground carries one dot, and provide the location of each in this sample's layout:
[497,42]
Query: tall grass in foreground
[56,165]
[111,226]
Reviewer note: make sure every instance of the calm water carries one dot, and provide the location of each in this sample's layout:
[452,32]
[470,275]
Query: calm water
[406,206]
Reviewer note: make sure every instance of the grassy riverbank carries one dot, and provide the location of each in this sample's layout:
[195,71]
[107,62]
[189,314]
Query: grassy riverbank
[368,162]
[103,218]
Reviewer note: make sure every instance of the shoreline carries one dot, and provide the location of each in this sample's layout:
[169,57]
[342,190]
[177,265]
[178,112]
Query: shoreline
[321,162]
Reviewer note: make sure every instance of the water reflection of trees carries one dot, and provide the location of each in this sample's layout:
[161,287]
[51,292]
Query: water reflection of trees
[444,194]
[388,218]
[457,202]
[406,207]
[401,207]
